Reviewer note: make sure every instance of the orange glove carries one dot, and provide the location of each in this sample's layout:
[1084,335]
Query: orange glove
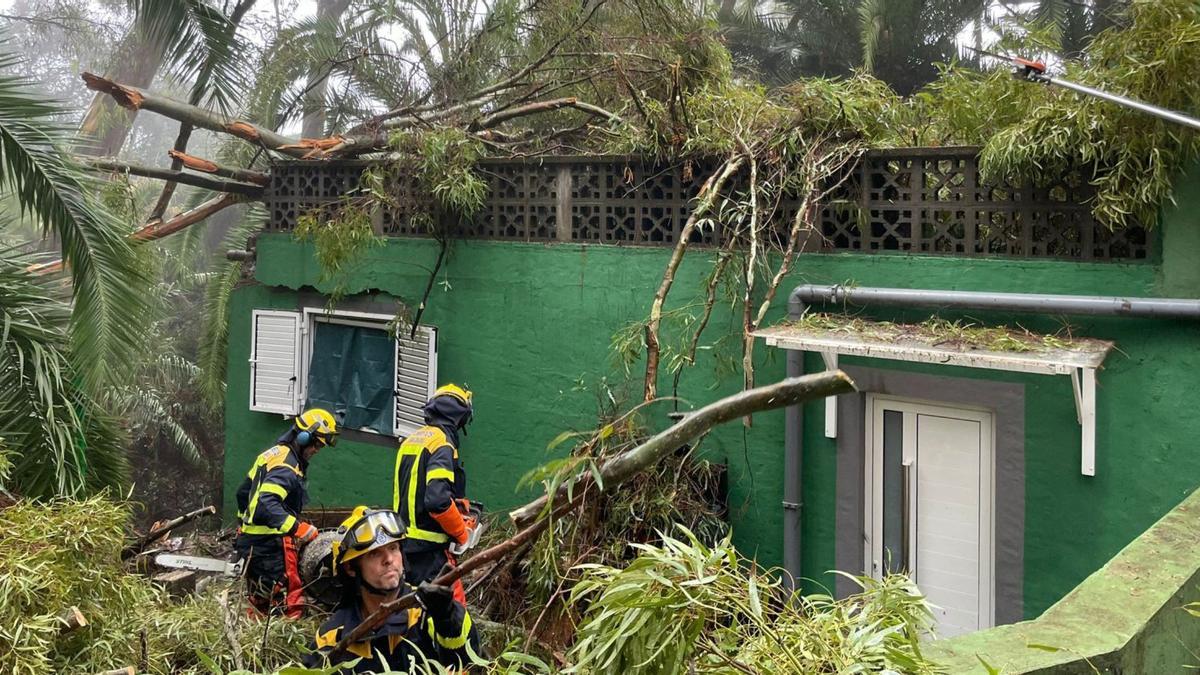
[452,523]
[305,532]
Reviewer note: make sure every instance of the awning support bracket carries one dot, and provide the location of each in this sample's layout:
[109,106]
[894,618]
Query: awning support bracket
[1083,386]
[831,363]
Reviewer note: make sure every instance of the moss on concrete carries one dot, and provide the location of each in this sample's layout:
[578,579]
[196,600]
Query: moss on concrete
[1125,618]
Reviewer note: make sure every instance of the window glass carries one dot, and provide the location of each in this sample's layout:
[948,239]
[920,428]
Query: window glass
[893,492]
[352,371]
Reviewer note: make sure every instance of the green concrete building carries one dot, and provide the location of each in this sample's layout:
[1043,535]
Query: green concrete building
[1004,480]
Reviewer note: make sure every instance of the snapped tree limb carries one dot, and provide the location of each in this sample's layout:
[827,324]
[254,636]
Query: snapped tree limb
[136,98]
[618,470]
[207,166]
[216,185]
[161,531]
[624,466]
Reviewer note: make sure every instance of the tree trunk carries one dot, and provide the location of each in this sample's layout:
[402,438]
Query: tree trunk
[313,124]
[621,468]
[106,124]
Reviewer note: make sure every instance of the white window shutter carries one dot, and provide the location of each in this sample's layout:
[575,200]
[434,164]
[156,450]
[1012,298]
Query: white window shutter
[275,362]
[416,377]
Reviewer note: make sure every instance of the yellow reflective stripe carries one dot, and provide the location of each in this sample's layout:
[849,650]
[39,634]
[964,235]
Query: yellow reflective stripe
[327,639]
[426,535]
[274,489]
[412,491]
[454,642]
[434,474]
[289,524]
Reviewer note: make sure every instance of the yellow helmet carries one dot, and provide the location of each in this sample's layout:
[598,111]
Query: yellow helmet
[454,390]
[364,530]
[316,424]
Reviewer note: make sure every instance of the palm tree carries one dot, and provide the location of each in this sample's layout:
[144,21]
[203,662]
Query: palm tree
[62,343]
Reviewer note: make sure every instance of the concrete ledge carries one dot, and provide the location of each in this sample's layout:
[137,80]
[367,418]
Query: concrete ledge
[1125,618]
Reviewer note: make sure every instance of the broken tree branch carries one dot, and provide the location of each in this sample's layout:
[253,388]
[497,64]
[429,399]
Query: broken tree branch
[708,194]
[622,467]
[208,166]
[247,189]
[161,531]
[158,230]
[136,98]
[618,470]
[498,118]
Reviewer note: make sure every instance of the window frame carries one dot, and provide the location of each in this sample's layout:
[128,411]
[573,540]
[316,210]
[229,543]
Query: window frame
[310,316]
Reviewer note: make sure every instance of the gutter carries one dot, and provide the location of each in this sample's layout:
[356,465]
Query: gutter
[809,294]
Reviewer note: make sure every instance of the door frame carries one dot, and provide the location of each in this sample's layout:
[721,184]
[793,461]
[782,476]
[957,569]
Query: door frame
[875,404]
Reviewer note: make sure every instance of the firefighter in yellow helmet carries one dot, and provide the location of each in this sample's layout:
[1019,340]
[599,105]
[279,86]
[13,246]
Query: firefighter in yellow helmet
[270,500]
[430,490]
[367,558]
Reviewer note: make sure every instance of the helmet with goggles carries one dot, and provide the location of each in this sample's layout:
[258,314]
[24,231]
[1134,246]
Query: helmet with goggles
[316,425]
[364,531]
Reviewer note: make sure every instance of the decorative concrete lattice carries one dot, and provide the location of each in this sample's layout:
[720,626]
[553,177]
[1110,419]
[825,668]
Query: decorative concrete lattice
[924,200]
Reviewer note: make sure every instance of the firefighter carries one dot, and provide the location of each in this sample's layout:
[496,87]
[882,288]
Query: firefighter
[270,500]
[430,488]
[368,560]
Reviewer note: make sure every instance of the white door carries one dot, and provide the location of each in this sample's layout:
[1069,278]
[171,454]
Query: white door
[929,505]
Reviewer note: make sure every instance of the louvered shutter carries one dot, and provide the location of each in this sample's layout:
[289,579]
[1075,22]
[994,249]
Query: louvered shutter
[416,377]
[275,362]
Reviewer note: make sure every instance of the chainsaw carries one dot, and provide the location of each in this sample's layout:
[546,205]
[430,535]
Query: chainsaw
[474,514]
[198,564]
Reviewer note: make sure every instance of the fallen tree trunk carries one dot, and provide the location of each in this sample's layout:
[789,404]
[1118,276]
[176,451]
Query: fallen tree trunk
[161,531]
[136,98]
[175,176]
[620,469]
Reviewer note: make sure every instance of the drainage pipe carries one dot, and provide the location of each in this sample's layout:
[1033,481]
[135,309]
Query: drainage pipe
[802,296]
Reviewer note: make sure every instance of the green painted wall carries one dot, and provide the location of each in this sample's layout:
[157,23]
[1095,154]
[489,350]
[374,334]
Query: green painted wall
[523,324]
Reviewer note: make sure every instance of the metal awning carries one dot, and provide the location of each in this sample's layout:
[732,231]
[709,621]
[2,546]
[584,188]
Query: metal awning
[1077,357]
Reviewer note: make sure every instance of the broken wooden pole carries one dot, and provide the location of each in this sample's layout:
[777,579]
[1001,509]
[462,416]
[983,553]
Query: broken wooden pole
[624,466]
[161,531]
[619,469]
[72,620]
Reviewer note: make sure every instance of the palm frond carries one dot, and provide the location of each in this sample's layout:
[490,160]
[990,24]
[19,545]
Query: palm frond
[59,196]
[61,442]
[201,46]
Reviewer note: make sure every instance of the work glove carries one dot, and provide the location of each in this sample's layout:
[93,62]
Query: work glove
[305,532]
[437,600]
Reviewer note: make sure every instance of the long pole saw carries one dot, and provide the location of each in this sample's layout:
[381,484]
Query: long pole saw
[1035,71]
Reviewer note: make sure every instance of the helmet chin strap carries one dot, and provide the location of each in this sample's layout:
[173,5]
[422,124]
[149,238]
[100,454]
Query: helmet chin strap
[372,589]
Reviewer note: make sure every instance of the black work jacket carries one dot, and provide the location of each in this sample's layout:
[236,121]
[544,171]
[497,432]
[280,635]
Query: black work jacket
[428,477]
[271,496]
[404,642]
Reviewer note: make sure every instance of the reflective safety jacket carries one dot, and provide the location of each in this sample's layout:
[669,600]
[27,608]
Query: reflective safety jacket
[273,493]
[428,480]
[400,643]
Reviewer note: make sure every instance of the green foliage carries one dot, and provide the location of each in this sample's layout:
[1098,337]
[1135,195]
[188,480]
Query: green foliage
[57,195]
[60,441]
[67,553]
[447,160]
[1136,157]
[340,236]
[684,607]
